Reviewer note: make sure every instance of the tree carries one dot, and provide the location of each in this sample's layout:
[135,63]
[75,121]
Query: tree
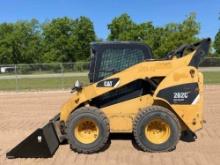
[122,28]
[59,40]
[160,39]
[57,45]
[83,35]
[217,44]
[6,43]
[67,40]
[19,42]
[175,35]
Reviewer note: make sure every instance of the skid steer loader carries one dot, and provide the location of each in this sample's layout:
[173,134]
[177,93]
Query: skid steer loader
[129,92]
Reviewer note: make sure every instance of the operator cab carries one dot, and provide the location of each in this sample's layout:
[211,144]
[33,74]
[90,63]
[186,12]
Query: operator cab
[108,58]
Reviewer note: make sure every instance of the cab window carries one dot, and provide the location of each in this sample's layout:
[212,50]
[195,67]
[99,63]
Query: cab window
[114,60]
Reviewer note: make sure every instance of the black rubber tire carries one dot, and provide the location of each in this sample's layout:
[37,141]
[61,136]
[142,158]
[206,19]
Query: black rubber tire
[148,114]
[100,118]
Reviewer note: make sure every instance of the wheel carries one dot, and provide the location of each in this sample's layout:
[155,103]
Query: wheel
[87,130]
[156,129]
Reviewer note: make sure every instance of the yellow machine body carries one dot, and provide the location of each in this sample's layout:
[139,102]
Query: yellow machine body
[175,71]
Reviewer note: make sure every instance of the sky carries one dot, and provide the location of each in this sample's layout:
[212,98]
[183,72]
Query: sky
[101,12]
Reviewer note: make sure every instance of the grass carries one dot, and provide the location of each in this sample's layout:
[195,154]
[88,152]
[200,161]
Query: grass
[212,77]
[67,82]
[40,83]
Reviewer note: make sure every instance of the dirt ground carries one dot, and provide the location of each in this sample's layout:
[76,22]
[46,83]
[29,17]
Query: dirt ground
[22,113]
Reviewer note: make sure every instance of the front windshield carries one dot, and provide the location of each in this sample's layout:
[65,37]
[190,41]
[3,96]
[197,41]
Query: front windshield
[115,60]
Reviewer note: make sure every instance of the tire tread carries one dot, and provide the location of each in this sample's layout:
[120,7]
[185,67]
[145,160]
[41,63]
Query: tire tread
[102,116]
[145,112]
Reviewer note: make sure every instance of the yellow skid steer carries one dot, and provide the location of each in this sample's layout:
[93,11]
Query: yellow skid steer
[156,100]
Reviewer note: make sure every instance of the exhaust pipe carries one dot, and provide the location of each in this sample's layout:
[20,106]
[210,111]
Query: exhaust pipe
[42,143]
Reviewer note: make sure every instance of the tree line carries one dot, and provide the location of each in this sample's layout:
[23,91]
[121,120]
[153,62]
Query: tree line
[68,40]
[59,40]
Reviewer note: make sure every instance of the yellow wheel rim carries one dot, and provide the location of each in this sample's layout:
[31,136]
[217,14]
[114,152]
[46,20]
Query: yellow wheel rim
[157,131]
[86,131]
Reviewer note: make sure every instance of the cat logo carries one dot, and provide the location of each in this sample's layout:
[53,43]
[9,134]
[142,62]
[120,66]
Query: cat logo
[113,82]
[107,83]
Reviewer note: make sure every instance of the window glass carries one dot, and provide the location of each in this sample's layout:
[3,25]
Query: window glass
[115,60]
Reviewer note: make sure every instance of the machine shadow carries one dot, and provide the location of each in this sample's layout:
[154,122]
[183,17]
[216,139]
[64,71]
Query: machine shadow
[185,137]
[115,136]
[125,136]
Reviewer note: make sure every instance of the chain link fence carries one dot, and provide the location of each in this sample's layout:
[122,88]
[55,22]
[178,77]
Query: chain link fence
[45,68]
[211,62]
[42,76]
[21,77]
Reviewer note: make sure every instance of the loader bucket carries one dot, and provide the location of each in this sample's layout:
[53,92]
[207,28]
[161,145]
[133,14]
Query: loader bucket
[42,143]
